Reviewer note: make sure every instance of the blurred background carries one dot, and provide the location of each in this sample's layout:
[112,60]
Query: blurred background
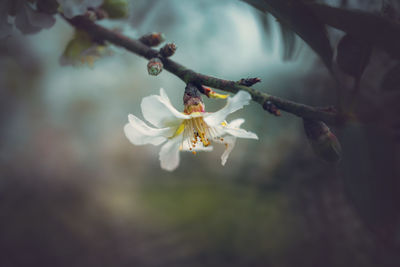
[75,192]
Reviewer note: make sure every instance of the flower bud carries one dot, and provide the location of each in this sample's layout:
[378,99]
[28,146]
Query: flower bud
[116,9]
[271,108]
[168,50]
[323,141]
[192,99]
[152,39]
[155,66]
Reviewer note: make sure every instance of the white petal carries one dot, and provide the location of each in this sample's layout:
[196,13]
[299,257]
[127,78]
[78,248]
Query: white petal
[229,142]
[236,123]
[169,154]
[199,147]
[241,133]
[233,104]
[139,133]
[159,111]
[164,95]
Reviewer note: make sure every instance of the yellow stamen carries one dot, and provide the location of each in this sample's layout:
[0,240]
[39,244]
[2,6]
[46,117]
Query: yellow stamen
[180,130]
[216,95]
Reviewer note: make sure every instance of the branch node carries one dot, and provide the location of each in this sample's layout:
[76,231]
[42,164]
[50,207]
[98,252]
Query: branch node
[271,108]
[168,50]
[249,81]
[152,39]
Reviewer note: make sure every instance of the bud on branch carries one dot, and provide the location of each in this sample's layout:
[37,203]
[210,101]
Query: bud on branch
[152,39]
[168,50]
[155,66]
[324,143]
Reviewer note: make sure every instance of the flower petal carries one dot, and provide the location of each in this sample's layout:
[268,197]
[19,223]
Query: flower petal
[233,104]
[169,154]
[229,142]
[159,111]
[241,133]
[164,95]
[199,147]
[236,123]
[139,133]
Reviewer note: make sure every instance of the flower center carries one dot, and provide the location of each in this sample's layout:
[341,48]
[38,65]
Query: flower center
[196,107]
[196,130]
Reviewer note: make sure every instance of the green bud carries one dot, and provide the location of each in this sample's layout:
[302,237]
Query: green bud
[82,50]
[155,66]
[116,9]
[80,42]
[323,141]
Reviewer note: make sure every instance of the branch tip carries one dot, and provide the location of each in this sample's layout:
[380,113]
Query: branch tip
[249,81]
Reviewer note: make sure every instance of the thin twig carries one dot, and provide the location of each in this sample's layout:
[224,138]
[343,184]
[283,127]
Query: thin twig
[328,115]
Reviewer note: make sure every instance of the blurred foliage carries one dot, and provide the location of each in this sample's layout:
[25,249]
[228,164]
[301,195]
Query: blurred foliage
[302,20]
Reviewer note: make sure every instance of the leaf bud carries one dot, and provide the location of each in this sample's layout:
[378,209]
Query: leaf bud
[168,50]
[155,66]
[324,143]
[116,9]
[152,39]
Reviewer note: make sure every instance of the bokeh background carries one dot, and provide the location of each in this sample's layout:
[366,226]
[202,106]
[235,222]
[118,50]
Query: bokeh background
[75,192]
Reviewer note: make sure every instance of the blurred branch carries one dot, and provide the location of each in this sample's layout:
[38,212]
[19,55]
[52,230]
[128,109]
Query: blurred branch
[368,27]
[99,33]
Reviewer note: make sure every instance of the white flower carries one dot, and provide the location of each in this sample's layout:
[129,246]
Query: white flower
[186,132]
[72,8]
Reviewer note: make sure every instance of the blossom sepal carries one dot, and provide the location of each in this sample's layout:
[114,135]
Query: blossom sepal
[212,94]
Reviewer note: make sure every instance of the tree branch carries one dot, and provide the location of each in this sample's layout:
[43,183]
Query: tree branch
[100,33]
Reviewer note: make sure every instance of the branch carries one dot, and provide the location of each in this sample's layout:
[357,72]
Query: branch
[371,28]
[99,33]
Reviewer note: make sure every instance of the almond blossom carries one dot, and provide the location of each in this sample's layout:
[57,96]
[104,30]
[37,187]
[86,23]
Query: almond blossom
[193,130]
